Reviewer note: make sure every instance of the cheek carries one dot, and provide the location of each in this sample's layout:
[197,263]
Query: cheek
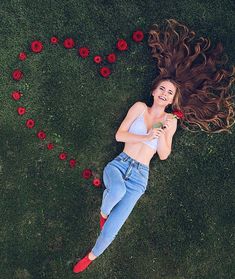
[157,91]
[170,98]
[154,92]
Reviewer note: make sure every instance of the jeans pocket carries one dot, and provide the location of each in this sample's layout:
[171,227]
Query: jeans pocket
[143,172]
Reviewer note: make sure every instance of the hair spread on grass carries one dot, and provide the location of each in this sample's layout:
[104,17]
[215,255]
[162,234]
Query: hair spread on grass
[199,74]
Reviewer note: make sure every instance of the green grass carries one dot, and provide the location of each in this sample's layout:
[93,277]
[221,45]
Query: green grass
[183,227]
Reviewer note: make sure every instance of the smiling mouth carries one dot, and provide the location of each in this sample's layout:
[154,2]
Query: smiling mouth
[162,98]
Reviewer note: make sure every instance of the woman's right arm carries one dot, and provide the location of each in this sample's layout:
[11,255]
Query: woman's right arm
[122,133]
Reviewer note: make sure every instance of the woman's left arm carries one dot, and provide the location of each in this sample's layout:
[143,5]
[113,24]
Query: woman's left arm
[165,138]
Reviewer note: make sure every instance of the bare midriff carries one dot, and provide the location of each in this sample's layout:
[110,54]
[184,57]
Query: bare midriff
[139,151]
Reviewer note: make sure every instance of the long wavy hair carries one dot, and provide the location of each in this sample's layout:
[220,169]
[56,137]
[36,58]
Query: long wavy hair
[198,72]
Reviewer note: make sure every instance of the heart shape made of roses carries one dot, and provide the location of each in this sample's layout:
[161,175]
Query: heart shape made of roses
[55,125]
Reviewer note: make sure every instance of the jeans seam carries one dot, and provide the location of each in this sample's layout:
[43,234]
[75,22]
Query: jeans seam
[105,171]
[106,188]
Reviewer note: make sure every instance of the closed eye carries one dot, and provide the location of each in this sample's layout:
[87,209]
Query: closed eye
[162,88]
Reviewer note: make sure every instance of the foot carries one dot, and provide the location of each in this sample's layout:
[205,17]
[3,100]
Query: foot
[102,221]
[82,264]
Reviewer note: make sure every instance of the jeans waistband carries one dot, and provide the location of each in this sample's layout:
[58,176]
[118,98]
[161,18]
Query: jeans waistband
[126,157]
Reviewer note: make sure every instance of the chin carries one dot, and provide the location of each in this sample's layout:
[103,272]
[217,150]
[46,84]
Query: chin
[160,104]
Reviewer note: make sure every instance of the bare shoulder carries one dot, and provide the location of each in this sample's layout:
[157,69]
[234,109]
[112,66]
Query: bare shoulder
[171,116]
[137,108]
[140,105]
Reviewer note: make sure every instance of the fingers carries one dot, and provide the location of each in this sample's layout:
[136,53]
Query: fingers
[158,133]
[167,124]
[162,131]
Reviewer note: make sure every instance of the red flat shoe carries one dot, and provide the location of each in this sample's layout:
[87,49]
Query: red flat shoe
[82,264]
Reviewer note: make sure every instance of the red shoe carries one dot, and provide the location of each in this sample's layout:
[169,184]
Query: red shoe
[102,221]
[82,264]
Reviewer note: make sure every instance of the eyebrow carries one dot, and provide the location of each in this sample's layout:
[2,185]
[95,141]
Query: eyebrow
[165,88]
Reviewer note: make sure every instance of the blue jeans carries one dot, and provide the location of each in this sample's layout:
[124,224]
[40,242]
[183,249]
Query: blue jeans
[125,180]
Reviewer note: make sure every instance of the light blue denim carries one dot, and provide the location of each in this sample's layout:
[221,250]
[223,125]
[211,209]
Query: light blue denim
[125,180]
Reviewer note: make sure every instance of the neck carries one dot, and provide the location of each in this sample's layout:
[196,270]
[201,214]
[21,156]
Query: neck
[157,111]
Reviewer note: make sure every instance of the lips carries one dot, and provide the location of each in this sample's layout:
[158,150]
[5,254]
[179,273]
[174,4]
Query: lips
[162,98]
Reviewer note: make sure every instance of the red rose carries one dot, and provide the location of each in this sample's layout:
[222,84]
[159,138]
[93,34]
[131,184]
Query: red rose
[50,146]
[63,156]
[72,163]
[122,45]
[16,95]
[41,135]
[178,114]
[21,110]
[30,123]
[36,46]
[69,43]
[138,36]
[112,58]
[97,59]
[105,72]
[86,173]
[96,182]
[17,74]
[83,52]
[22,56]
[54,40]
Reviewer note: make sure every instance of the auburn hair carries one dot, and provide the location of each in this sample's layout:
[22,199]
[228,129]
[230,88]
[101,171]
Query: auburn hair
[199,74]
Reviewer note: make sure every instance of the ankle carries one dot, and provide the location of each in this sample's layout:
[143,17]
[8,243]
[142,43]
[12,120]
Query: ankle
[103,215]
[91,256]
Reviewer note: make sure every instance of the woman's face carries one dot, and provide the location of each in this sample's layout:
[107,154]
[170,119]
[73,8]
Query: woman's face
[164,93]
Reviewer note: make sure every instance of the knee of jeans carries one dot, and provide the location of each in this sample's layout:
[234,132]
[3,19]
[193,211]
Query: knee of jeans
[118,192]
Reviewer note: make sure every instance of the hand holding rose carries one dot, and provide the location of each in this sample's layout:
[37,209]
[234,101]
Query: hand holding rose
[154,133]
[159,129]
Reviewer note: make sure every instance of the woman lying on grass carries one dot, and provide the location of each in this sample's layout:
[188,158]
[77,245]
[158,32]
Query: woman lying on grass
[192,79]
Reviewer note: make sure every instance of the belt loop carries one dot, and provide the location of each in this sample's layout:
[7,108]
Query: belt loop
[125,159]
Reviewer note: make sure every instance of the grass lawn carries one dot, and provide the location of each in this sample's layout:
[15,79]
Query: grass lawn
[183,227]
